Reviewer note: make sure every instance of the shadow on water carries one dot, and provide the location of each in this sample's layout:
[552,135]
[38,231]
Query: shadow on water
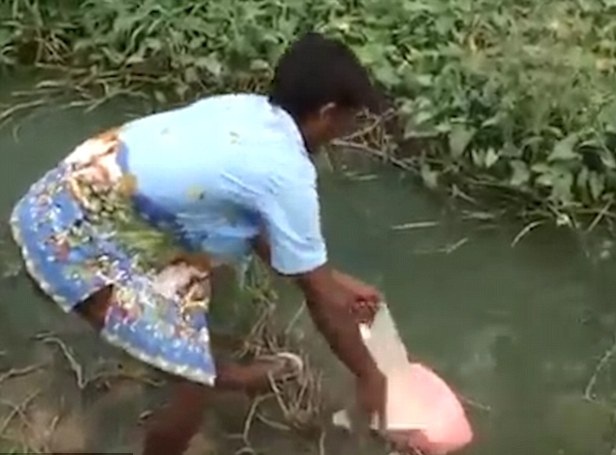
[518,331]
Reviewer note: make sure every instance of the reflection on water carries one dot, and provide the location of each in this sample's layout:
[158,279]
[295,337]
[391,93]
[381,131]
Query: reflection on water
[518,331]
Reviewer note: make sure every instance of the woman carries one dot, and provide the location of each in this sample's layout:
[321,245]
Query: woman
[185,191]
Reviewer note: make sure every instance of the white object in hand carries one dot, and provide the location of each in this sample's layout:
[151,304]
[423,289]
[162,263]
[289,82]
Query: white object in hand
[388,351]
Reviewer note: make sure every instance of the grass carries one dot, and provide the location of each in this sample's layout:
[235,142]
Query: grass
[509,102]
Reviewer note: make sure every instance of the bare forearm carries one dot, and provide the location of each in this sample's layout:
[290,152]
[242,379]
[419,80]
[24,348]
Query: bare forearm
[262,249]
[343,336]
[330,312]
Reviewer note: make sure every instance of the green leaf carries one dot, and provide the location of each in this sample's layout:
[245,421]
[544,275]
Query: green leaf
[181,89]
[153,44]
[492,121]
[259,65]
[541,168]
[424,80]
[190,75]
[422,117]
[135,59]
[84,43]
[546,179]
[561,187]
[429,177]
[459,138]
[511,151]
[211,64]
[564,149]
[386,74]
[520,173]
[478,157]
[124,23]
[370,53]
[196,44]
[160,97]
[608,159]
[582,182]
[597,185]
[491,158]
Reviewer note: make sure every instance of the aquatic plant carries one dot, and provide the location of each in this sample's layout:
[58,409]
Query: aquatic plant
[506,98]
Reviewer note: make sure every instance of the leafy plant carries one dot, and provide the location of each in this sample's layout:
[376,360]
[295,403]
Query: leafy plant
[514,95]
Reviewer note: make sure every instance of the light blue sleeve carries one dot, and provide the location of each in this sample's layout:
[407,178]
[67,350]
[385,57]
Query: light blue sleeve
[293,227]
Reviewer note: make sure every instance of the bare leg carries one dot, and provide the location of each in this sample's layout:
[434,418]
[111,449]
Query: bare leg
[170,429]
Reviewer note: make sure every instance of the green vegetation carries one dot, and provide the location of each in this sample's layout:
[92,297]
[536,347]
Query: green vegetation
[511,95]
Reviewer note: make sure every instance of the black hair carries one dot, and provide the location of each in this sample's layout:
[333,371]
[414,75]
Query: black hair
[315,71]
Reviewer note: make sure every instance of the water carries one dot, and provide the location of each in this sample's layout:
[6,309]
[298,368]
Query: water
[517,331]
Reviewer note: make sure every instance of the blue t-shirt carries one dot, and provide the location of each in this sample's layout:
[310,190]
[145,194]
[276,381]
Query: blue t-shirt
[225,169]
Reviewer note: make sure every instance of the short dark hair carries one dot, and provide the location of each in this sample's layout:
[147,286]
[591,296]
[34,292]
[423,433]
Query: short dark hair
[315,71]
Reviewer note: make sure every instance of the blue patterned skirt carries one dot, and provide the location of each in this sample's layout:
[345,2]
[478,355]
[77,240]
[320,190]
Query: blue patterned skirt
[79,232]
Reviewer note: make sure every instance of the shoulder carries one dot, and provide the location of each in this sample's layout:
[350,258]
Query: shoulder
[216,108]
[269,141]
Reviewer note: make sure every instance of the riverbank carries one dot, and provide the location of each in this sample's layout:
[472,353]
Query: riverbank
[504,105]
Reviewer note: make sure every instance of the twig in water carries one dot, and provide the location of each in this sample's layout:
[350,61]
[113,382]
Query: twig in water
[278,394]
[599,216]
[322,442]
[364,178]
[456,192]
[118,374]
[372,126]
[17,410]
[453,247]
[327,159]
[145,415]
[447,249]
[474,404]
[250,418]
[402,164]
[295,318]
[468,215]
[270,423]
[416,225]
[74,364]
[18,372]
[50,433]
[11,111]
[600,365]
[529,227]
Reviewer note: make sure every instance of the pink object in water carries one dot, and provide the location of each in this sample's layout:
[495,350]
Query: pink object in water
[422,411]
[436,421]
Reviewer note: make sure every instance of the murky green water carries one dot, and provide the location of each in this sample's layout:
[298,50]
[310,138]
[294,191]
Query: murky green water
[518,331]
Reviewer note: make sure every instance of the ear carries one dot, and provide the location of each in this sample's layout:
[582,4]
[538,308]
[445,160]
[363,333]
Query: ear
[327,110]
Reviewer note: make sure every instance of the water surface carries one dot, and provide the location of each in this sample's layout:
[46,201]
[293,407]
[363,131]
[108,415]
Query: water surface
[518,331]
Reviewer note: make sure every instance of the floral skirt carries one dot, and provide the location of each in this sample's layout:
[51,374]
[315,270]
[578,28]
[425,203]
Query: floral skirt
[79,232]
